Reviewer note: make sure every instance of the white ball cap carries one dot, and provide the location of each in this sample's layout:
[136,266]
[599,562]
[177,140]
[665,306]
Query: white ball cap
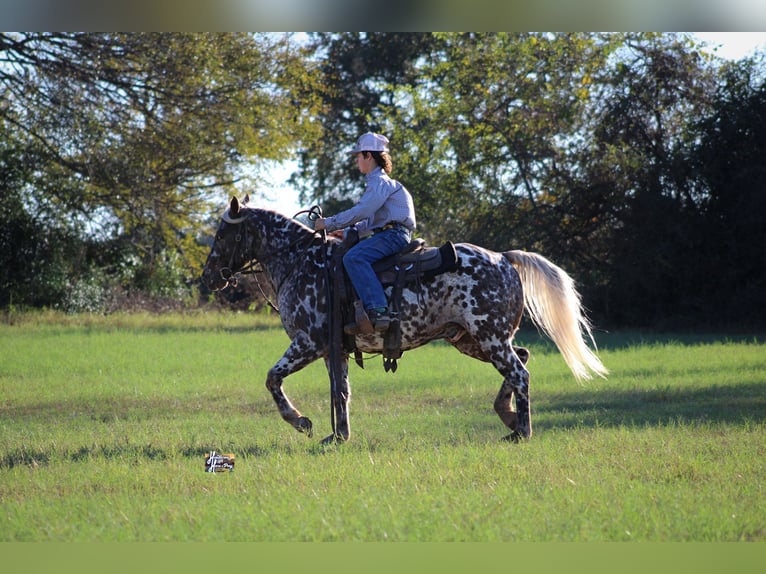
[371,142]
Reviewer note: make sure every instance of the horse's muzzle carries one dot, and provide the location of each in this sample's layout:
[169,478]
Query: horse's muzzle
[229,277]
[218,280]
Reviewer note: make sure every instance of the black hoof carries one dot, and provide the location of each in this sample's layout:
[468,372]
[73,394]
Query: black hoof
[333,439]
[305,426]
[514,437]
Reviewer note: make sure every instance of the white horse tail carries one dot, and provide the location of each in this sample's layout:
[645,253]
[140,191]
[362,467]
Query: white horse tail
[555,307]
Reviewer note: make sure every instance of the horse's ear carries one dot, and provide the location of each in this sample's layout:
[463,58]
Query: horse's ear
[234,207]
[247,199]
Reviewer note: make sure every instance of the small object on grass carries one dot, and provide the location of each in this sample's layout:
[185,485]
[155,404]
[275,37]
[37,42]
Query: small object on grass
[219,462]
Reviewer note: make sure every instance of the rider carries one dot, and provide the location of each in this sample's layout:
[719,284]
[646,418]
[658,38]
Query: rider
[384,218]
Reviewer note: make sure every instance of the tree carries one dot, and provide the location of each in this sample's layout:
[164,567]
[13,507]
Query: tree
[133,134]
[34,255]
[362,77]
[728,160]
[640,148]
[499,116]
[482,125]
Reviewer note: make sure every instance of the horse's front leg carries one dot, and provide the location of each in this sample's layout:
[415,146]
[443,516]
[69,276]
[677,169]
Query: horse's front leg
[339,402]
[300,353]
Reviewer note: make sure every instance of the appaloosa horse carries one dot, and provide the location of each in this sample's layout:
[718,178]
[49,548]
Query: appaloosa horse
[477,308]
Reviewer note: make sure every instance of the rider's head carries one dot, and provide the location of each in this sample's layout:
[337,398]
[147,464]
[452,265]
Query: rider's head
[375,145]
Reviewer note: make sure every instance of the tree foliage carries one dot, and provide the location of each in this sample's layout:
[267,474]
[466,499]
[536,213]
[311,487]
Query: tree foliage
[727,160]
[633,160]
[641,138]
[362,75]
[130,135]
[590,148]
[481,125]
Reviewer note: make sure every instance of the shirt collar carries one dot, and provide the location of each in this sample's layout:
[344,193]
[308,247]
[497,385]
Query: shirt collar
[374,173]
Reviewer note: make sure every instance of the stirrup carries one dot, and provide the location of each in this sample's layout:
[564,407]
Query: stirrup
[380,320]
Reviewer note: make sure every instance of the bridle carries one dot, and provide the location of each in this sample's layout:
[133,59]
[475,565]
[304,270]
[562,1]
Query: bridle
[253,267]
[226,272]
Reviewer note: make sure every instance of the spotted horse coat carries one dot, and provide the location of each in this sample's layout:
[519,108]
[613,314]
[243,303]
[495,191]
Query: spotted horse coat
[477,308]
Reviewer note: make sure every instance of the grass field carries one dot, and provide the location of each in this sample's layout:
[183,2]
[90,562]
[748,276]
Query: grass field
[104,423]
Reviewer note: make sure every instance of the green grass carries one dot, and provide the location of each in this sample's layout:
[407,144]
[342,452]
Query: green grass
[104,423]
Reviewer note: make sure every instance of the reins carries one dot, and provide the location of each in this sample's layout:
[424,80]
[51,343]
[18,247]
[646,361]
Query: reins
[334,327]
[334,324]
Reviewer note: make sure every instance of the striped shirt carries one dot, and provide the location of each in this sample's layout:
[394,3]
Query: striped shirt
[385,200]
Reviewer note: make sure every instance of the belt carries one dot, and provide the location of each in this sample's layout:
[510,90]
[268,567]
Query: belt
[391,225]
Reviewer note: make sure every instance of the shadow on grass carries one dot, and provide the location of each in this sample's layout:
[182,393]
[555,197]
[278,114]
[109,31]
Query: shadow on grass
[137,453]
[40,457]
[737,404]
[726,405]
[628,339]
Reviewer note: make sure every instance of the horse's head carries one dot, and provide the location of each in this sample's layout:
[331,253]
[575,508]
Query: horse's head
[232,247]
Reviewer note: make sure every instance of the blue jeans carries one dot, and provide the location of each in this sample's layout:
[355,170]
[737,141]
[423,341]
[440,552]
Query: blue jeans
[359,259]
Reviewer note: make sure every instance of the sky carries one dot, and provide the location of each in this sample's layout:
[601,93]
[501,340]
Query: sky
[729,45]
[733,45]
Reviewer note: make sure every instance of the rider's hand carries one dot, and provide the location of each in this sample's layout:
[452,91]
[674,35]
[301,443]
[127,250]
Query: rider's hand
[319,224]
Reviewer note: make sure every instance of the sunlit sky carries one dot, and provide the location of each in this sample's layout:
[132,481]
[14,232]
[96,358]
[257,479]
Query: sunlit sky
[733,45]
[729,45]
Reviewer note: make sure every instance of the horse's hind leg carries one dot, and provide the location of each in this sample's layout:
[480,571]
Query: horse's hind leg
[510,361]
[515,382]
[518,421]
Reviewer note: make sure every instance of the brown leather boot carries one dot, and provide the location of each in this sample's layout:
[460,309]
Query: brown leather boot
[361,324]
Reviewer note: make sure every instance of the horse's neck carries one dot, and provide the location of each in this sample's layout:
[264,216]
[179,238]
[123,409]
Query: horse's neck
[284,246]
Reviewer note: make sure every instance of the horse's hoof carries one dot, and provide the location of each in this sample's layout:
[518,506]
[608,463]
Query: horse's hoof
[333,439]
[305,426]
[514,437]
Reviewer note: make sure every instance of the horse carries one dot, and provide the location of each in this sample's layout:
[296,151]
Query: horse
[477,308]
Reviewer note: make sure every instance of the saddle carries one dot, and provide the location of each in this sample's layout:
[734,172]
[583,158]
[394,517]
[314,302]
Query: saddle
[416,262]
